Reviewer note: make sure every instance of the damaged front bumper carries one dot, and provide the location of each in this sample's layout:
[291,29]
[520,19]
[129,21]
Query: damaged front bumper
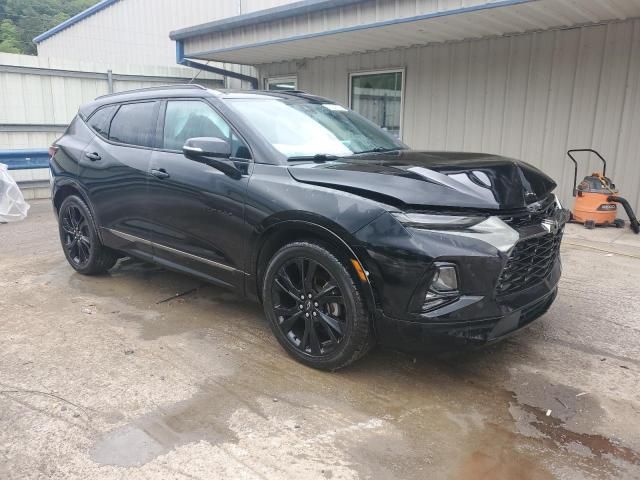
[507,277]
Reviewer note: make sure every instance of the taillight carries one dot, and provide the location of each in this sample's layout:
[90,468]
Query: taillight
[53,149]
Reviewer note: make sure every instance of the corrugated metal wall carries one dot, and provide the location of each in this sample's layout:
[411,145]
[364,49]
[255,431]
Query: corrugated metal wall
[137,31]
[40,96]
[530,96]
[367,11]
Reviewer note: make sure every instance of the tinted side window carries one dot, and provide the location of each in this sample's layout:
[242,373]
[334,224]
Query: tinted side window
[134,124]
[99,121]
[186,119]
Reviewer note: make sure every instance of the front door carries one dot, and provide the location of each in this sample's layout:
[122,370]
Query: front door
[197,211]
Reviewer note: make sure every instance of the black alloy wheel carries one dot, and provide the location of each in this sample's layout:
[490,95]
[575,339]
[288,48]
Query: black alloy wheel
[80,241]
[309,306]
[315,307]
[76,238]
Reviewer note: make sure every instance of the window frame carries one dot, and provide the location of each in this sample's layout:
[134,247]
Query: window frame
[154,138]
[162,114]
[359,73]
[281,78]
[116,107]
[158,102]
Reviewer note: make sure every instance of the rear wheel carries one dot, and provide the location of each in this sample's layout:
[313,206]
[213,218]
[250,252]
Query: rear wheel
[80,241]
[315,307]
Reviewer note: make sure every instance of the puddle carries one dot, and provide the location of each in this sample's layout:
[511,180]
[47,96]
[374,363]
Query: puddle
[503,464]
[599,446]
[205,417]
[560,415]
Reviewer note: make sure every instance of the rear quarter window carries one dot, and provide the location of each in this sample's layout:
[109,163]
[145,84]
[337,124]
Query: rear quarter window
[100,120]
[134,124]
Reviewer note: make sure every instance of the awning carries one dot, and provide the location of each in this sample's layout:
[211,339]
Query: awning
[299,31]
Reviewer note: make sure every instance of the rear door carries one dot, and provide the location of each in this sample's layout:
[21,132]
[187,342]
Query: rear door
[115,172]
[197,211]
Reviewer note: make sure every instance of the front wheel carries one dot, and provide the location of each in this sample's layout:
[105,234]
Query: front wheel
[315,308]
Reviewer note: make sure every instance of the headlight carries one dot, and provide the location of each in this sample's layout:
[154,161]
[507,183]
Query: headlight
[491,230]
[558,204]
[437,222]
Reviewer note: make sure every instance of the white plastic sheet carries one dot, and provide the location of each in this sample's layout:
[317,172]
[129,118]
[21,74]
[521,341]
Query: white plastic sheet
[13,208]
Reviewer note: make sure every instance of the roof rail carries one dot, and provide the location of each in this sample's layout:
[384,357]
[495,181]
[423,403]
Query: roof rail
[158,87]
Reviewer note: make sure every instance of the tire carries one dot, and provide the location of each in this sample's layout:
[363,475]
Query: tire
[79,238]
[328,331]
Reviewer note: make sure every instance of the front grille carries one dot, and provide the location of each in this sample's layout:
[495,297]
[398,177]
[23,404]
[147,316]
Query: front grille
[531,260]
[529,216]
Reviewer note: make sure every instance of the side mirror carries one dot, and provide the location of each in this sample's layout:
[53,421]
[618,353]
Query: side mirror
[200,147]
[212,151]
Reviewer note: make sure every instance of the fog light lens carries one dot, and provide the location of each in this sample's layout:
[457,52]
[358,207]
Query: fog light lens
[445,279]
[443,289]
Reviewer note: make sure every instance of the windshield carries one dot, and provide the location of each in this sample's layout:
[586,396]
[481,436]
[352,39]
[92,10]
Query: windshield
[299,128]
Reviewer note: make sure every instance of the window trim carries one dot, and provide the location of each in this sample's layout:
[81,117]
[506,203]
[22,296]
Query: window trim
[162,115]
[281,78]
[401,70]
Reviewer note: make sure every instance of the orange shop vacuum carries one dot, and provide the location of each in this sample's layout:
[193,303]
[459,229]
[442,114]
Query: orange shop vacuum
[597,198]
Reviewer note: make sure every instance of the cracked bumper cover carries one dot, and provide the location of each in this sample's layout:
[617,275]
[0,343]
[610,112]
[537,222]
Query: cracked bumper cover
[402,260]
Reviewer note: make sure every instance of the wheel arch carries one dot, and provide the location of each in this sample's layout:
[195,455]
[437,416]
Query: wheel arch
[287,231]
[65,190]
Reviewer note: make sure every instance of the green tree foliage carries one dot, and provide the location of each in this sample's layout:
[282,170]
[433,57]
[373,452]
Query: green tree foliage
[22,20]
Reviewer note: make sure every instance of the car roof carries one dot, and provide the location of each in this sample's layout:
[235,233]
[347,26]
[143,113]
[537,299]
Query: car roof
[190,90]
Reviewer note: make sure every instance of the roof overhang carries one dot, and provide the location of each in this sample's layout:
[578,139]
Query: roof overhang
[257,38]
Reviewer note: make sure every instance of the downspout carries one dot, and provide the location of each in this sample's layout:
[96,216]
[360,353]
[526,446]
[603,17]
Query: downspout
[181,60]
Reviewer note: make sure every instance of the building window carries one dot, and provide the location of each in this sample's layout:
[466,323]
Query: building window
[378,97]
[281,83]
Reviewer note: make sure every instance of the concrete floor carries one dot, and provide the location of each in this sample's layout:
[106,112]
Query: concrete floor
[101,378]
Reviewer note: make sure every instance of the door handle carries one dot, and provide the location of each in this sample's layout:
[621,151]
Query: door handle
[93,156]
[159,173]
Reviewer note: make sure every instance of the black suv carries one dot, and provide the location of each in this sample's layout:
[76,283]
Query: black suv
[345,235]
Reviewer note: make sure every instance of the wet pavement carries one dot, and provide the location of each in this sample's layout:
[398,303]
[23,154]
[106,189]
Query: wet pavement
[116,377]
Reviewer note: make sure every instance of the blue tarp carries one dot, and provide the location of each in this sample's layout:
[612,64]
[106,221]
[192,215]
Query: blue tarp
[25,158]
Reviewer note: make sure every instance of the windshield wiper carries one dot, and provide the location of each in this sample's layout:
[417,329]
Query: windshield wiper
[318,158]
[379,150]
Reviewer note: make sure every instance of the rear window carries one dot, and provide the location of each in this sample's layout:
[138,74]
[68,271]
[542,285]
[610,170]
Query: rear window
[134,124]
[99,121]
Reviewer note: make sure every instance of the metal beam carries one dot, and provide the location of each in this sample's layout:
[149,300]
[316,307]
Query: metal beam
[32,127]
[53,72]
[220,71]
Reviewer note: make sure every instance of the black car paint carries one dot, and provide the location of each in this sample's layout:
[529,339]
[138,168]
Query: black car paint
[214,226]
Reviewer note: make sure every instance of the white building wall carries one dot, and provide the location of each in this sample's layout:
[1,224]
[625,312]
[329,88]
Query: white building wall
[530,96]
[137,31]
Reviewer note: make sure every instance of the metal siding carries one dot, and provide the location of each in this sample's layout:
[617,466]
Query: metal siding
[530,96]
[44,98]
[335,18]
[138,30]
[384,24]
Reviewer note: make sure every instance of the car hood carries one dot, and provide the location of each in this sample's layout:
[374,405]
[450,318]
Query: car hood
[415,179]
